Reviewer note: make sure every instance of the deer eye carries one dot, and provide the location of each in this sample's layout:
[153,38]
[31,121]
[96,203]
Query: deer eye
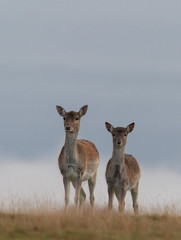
[113,135]
[64,119]
[77,118]
[125,134]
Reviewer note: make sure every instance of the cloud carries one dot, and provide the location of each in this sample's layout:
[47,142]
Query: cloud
[35,180]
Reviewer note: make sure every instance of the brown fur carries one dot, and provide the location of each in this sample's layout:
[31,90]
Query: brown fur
[133,170]
[87,153]
[79,159]
[122,172]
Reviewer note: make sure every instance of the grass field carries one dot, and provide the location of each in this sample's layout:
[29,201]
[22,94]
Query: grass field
[31,207]
[45,223]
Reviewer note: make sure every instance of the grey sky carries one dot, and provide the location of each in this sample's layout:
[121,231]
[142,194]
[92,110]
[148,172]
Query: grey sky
[122,58]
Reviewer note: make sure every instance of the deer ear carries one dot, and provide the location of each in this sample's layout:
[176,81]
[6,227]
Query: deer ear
[109,127]
[61,111]
[83,110]
[130,127]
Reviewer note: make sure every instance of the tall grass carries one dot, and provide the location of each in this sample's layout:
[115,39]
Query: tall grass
[37,219]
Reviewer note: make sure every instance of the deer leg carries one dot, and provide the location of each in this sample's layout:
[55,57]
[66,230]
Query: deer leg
[66,183]
[111,196]
[78,183]
[134,194]
[82,194]
[121,200]
[92,183]
[118,196]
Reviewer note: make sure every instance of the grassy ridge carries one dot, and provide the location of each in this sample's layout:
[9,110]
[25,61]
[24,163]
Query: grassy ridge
[103,225]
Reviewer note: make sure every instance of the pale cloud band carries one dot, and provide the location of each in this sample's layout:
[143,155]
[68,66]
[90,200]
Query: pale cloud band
[20,181]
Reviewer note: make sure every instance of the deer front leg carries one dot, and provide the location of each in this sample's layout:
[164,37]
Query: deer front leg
[66,183]
[110,195]
[121,200]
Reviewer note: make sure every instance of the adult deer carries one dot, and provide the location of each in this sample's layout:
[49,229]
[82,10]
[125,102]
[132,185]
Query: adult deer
[122,172]
[78,160]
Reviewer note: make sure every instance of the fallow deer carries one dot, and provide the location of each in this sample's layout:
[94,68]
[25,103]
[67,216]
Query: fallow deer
[122,172]
[78,160]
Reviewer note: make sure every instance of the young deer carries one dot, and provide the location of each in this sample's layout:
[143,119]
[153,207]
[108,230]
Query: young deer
[122,172]
[78,160]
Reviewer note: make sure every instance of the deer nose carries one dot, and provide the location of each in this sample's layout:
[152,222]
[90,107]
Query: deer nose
[118,142]
[67,128]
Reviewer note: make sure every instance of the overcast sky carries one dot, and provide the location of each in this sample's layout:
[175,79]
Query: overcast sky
[122,58]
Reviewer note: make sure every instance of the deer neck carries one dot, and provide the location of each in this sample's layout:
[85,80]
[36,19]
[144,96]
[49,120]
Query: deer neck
[70,147]
[118,156]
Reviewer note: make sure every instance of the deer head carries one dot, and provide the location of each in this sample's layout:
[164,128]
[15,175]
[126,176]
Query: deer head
[72,118]
[119,134]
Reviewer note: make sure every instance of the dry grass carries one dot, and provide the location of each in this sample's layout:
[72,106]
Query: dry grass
[48,221]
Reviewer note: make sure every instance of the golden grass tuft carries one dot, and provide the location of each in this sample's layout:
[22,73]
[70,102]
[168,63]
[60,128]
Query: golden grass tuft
[46,220]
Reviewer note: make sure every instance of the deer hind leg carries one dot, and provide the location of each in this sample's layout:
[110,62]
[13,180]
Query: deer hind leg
[66,183]
[92,183]
[82,196]
[78,186]
[82,193]
[134,194]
